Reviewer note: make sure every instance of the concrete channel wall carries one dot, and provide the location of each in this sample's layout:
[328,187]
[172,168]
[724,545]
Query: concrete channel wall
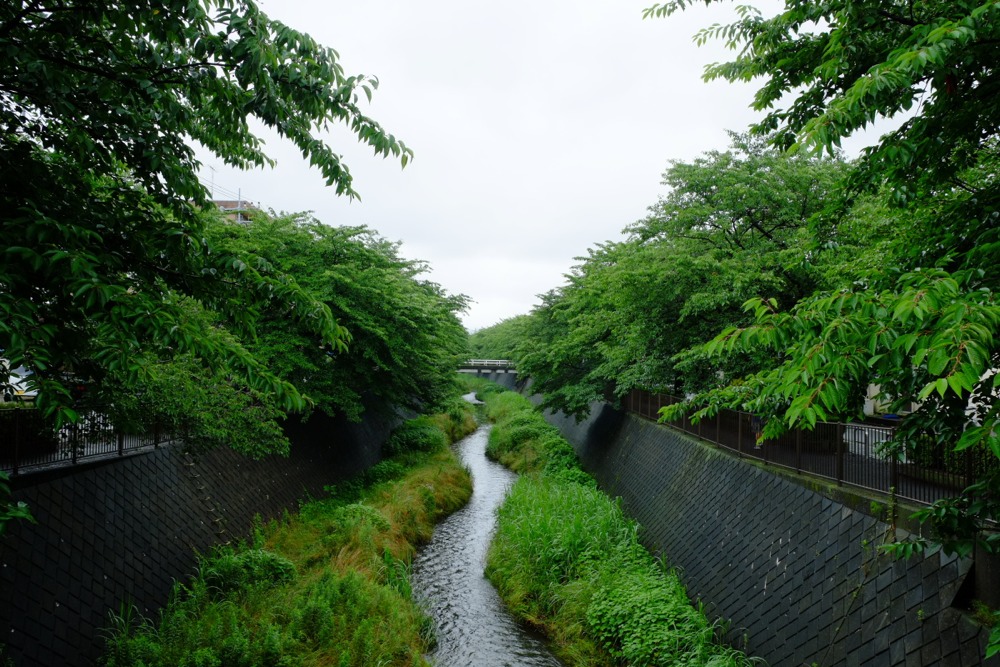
[120,532]
[796,574]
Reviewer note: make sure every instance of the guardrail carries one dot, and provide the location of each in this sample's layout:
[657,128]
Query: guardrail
[858,454]
[28,442]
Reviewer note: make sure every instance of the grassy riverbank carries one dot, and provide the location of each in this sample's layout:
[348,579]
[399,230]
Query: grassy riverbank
[326,586]
[568,561]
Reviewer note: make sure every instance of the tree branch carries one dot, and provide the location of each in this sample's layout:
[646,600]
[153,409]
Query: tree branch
[898,19]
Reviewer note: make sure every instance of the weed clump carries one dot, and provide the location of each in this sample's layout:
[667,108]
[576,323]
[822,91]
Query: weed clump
[228,570]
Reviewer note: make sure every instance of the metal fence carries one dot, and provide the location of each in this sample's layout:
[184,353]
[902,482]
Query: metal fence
[29,442]
[858,454]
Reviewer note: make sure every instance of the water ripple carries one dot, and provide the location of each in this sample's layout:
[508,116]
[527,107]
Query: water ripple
[473,628]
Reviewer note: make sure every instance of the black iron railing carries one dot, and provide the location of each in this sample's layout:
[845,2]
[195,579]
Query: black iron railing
[29,442]
[858,454]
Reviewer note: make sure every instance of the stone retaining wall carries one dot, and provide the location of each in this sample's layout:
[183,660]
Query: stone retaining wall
[122,531]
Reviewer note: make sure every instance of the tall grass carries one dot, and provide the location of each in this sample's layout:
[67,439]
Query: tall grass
[326,586]
[567,560]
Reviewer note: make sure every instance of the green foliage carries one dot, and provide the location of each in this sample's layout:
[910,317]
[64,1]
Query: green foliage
[499,341]
[991,619]
[115,275]
[11,510]
[179,396]
[566,557]
[512,435]
[832,67]
[525,442]
[958,524]
[634,313]
[415,435]
[405,336]
[505,404]
[916,315]
[227,570]
[100,189]
[645,618]
[327,586]
[351,490]
[481,387]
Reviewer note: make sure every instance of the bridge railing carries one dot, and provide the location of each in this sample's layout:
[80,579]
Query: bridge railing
[858,454]
[28,442]
[487,364]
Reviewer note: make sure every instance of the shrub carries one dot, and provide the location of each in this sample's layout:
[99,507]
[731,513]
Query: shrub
[642,616]
[415,435]
[229,571]
[384,471]
[506,438]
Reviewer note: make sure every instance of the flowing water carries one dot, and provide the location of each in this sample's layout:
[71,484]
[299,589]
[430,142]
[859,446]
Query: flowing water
[473,628]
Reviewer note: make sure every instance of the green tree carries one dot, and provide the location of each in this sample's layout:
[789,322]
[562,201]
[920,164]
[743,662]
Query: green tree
[406,337]
[498,341]
[832,67]
[922,326]
[634,314]
[99,107]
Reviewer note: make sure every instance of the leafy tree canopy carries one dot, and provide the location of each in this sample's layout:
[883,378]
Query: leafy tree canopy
[99,106]
[498,341]
[929,314]
[733,224]
[406,336]
[831,67]
[922,324]
[405,341]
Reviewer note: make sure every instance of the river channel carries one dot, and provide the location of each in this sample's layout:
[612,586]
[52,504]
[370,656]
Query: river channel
[473,628]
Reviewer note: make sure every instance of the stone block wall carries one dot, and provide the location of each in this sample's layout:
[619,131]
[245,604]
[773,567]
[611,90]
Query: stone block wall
[120,532]
[797,575]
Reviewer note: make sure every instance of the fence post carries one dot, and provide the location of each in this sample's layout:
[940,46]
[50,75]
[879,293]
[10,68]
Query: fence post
[970,470]
[121,442]
[760,443]
[894,473]
[718,427]
[798,450]
[74,436]
[739,433]
[840,454]
[17,441]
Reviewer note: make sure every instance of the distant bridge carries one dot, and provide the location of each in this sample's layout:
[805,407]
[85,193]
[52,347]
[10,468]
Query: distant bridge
[487,366]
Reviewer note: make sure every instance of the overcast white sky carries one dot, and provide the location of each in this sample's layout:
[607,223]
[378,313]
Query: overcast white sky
[540,127]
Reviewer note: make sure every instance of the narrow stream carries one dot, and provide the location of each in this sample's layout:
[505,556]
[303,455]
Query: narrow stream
[473,628]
